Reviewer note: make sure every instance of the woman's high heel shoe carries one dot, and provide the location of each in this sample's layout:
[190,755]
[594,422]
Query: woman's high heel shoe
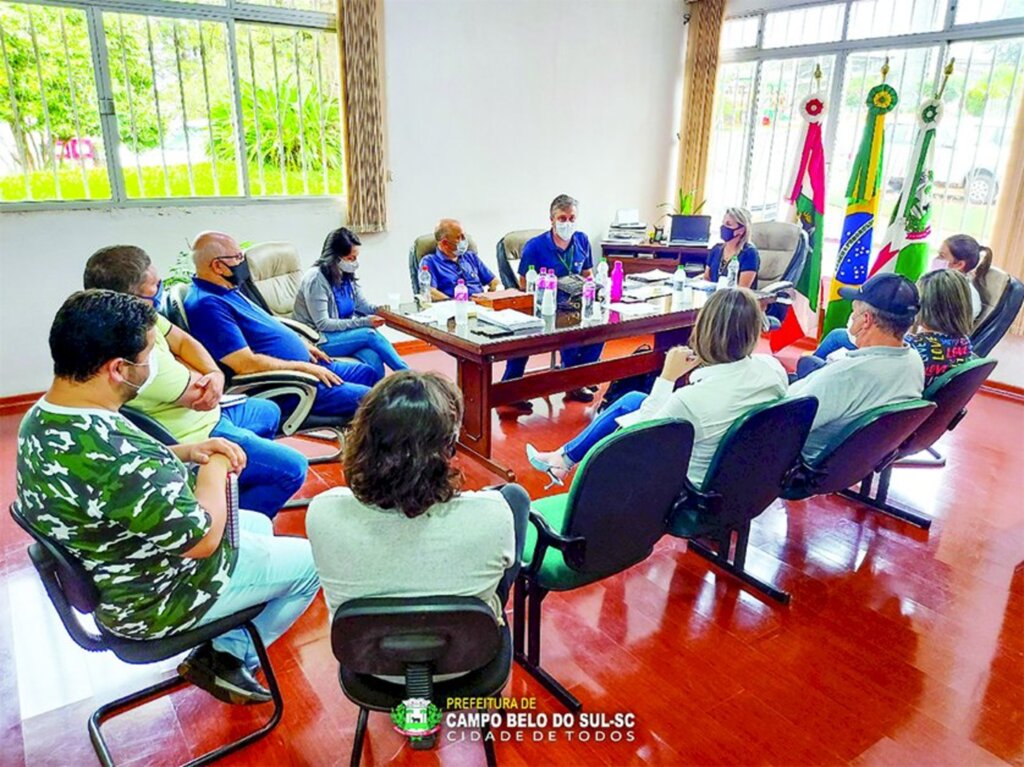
[556,474]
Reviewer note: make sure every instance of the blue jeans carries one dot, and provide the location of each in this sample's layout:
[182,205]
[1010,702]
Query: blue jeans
[342,400]
[602,426]
[277,571]
[834,341]
[366,345]
[571,357]
[273,472]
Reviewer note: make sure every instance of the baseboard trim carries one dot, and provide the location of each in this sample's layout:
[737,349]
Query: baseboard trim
[415,346]
[1004,390]
[18,403]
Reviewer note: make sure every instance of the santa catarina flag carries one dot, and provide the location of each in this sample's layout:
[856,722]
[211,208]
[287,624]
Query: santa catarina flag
[862,195]
[905,249]
[808,195]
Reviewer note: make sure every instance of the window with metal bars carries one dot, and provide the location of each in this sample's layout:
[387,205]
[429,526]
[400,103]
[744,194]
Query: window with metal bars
[766,67]
[135,101]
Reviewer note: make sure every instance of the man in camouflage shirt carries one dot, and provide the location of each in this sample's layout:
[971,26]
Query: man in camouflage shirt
[125,506]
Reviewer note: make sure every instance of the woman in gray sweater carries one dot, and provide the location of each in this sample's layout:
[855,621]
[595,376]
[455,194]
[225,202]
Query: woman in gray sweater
[330,300]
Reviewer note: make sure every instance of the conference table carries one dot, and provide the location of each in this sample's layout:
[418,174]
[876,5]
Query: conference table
[476,355]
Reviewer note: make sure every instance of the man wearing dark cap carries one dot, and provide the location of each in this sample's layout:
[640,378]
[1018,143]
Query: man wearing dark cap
[882,370]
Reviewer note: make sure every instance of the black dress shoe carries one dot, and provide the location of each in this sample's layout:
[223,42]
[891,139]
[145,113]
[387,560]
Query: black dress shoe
[222,675]
[579,395]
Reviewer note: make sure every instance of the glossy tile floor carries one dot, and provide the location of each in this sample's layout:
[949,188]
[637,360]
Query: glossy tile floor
[899,648]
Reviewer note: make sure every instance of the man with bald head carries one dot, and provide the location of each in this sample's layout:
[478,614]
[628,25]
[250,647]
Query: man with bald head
[246,339]
[453,261]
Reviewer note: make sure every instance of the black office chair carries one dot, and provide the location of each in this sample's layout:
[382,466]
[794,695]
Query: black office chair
[745,476]
[996,322]
[69,586]
[864,446]
[294,391]
[615,511]
[416,639]
[950,392]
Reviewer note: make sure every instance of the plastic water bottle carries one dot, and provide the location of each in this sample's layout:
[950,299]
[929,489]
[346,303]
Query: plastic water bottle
[733,272]
[424,281]
[589,292]
[602,280]
[618,275]
[678,288]
[549,294]
[531,285]
[461,303]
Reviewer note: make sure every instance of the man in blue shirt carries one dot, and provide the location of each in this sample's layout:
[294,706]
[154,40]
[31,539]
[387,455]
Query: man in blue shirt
[566,251]
[246,339]
[453,261]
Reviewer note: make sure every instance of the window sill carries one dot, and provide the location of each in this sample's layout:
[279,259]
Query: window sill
[168,202]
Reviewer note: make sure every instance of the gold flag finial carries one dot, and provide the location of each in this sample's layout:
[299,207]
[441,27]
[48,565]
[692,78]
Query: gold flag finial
[817,74]
[885,69]
[945,77]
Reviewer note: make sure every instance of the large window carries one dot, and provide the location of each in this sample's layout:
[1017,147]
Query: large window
[767,66]
[126,101]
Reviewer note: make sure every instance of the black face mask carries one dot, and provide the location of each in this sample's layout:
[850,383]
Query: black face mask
[239,273]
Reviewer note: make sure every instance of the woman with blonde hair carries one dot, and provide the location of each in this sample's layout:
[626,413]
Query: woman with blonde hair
[735,245]
[728,380]
[942,336]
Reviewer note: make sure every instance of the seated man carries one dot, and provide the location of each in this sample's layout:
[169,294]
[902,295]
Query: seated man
[150,535]
[453,261]
[565,251]
[186,388]
[882,370]
[246,339]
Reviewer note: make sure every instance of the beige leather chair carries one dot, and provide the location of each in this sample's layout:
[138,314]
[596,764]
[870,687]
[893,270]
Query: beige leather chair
[778,244]
[994,284]
[424,245]
[276,272]
[510,250]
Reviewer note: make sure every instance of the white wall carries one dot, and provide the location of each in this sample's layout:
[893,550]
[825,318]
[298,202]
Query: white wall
[493,108]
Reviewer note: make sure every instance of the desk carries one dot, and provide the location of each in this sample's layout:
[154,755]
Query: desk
[643,258]
[475,356]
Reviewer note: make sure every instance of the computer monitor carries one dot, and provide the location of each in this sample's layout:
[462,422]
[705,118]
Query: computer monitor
[690,230]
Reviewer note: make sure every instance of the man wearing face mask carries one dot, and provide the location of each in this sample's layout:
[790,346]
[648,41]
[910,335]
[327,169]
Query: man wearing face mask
[454,261]
[564,250]
[246,339]
[882,370]
[184,392]
[148,532]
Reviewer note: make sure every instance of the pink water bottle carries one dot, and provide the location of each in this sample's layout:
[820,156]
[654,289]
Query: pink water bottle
[617,277]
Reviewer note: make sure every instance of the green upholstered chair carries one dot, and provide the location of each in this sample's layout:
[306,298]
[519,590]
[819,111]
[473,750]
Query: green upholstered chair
[950,392]
[864,446]
[746,475]
[615,511]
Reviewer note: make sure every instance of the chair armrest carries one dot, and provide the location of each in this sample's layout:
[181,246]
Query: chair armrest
[310,334]
[272,384]
[574,549]
[271,377]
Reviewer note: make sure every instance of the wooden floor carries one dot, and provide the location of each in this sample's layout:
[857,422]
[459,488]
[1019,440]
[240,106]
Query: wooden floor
[900,647]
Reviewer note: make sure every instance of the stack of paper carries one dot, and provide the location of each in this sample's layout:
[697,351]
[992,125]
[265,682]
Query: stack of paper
[439,312]
[655,275]
[643,294]
[629,311]
[509,319]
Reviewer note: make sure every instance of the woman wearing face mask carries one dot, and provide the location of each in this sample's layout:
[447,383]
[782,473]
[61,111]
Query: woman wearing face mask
[735,244]
[330,300]
[963,254]
[942,335]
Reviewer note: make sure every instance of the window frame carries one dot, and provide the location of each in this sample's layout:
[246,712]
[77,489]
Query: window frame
[231,12]
[949,34]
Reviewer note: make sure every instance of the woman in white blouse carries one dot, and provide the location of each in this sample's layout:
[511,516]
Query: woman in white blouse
[728,380]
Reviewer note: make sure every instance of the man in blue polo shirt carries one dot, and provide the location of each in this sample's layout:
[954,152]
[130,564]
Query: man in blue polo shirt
[453,261]
[566,251]
[246,339]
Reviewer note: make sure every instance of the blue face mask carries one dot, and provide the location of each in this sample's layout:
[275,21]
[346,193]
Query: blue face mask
[157,299]
[727,233]
[462,247]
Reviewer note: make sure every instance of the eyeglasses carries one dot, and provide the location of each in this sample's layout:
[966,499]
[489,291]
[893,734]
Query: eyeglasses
[237,257]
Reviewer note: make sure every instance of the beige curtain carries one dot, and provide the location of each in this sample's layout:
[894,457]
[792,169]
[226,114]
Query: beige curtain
[359,25]
[702,39]
[1008,232]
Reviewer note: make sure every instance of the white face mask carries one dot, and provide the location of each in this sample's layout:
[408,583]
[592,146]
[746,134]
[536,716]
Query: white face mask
[348,267]
[565,229]
[849,325]
[151,365]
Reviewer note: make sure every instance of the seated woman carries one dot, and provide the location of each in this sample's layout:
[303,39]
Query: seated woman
[736,244]
[330,300]
[730,380]
[402,527]
[942,336]
[959,253]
